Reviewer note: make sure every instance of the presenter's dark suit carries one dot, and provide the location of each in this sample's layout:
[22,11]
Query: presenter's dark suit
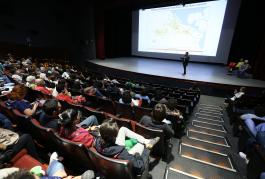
[185,62]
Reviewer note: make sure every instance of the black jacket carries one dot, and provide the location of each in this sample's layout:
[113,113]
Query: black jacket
[119,152]
[149,122]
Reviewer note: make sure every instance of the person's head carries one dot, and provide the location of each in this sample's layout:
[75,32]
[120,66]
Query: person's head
[159,112]
[126,97]
[109,131]
[246,61]
[21,174]
[60,88]
[18,92]
[144,92]
[51,107]
[242,89]
[40,82]
[30,79]
[69,118]
[187,53]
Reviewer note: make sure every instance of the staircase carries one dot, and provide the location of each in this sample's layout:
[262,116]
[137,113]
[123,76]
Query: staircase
[205,150]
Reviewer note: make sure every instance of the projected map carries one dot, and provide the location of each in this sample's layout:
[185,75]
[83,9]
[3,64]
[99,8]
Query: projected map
[176,29]
[190,32]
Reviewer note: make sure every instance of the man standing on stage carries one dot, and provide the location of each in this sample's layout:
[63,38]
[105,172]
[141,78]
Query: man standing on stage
[185,61]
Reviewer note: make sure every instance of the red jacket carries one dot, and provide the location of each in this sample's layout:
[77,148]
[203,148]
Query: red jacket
[43,90]
[80,136]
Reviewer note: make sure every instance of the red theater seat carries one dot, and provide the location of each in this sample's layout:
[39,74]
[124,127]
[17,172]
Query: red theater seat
[25,161]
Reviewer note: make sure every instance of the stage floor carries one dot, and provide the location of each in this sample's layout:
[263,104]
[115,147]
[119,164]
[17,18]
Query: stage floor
[195,71]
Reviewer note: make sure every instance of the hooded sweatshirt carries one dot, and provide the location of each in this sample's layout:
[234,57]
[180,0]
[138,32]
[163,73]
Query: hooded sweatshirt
[119,152]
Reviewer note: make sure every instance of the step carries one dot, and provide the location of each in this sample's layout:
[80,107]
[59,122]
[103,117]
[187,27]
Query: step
[210,106]
[205,156]
[211,113]
[202,118]
[216,140]
[207,125]
[172,173]
[205,146]
[209,116]
[201,170]
[207,131]
[210,110]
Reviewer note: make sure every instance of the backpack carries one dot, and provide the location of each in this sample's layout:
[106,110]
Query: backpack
[8,137]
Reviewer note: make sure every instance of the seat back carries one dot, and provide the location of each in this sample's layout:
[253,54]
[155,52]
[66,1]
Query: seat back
[106,105]
[92,101]
[124,110]
[87,111]
[42,135]
[160,148]
[23,121]
[145,103]
[111,168]
[139,112]
[73,153]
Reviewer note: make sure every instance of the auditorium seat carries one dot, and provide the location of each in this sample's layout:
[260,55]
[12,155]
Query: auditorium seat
[139,112]
[124,110]
[256,163]
[161,147]
[106,105]
[74,154]
[23,160]
[121,121]
[113,168]
[42,135]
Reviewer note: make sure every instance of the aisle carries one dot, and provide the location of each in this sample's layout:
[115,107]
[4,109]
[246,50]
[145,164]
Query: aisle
[205,150]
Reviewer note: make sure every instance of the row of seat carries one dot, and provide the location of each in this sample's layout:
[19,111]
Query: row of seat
[76,154]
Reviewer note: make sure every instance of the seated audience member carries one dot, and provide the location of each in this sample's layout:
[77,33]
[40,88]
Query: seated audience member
[258,131]
[259,115]
[6,72]
[11,144]
[238,94]
[158,120]
[40,86]
[243,71]
[55,170]
[63,94]
[127,99]
[231,67]
[259,139]
[17,101]
[72,128]
[5,122]
[30,81]
[143,95]
[159,97]
[93,91]
[111,143]
[49,115]
[195,87]
[239,63]
[172,105]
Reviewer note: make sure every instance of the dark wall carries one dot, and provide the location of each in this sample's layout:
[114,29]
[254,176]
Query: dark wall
[41,21]
[118,32]
[249,31]
[65,27]
[82,30]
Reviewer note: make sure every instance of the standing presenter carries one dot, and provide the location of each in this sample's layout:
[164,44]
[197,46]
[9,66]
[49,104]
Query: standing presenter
[185,60]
